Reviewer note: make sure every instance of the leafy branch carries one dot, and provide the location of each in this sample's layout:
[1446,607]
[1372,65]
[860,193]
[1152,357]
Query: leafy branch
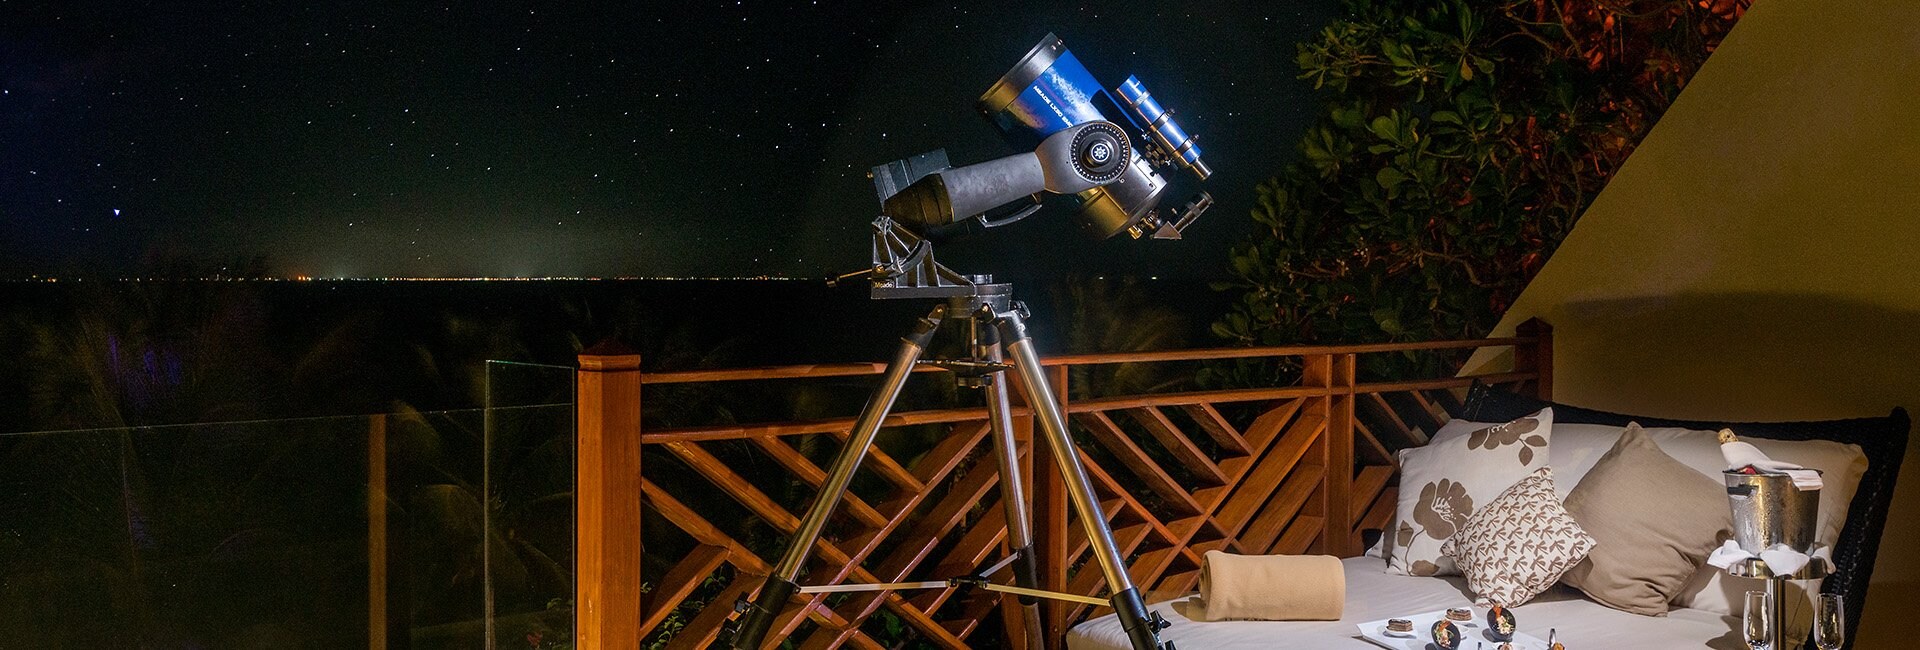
[1458,144]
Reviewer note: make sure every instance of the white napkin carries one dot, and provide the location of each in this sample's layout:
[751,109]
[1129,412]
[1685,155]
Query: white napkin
[1780,559]
[1805,479]
[1727,554]
[1740,455]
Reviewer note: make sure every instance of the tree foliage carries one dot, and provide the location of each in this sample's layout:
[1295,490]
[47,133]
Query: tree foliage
[1458,142]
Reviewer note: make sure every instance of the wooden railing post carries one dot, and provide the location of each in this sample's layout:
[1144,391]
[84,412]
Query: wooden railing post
[1536,358]
[607,501]
[1335,374]
[377,533]
[1341,540]
[1049,494]
[1047,497]
[1011,611]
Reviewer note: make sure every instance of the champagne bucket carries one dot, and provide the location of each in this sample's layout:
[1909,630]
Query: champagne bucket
[1769,510]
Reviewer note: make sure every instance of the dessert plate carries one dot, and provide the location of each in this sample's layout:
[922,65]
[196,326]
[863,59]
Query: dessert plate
[1376,632]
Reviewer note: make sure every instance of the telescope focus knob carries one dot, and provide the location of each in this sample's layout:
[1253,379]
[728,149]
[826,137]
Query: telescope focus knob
[1101,152]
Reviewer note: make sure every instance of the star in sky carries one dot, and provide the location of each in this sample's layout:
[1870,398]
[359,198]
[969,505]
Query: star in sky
[731,138]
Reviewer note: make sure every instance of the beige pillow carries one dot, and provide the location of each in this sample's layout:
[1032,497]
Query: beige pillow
[1518,544]
[1442,482]
[1656,520]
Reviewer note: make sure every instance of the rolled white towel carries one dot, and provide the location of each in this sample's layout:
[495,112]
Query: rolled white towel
[1270,588]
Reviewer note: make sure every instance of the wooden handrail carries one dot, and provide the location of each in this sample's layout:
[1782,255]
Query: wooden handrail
[1206,354]
[1436,384]
[816,371]
[1276,469]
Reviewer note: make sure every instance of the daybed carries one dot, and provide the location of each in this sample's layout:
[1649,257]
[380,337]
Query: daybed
[1374,594]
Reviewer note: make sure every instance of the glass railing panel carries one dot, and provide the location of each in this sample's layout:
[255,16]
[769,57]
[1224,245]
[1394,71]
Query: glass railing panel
[248,534]
[512,383]
[530,476]
[445,529]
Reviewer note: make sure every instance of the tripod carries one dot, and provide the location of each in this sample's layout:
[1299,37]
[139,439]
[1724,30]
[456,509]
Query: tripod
[997,333]
[1046,100]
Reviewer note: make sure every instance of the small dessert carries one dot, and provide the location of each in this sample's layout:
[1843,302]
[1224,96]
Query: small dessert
[1400,627]
[1500,624]
[1504,645]
[1460,615]
[1445,635]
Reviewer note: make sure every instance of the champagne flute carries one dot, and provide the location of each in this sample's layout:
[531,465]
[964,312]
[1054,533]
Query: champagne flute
[1830,622]
[1758,619]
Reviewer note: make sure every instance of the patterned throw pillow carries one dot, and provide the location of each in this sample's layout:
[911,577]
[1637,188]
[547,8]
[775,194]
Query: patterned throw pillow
[1442,482]
[1518,545]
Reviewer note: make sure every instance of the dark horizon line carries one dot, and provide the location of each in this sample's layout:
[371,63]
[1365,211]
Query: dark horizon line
[549,278]
[301,278]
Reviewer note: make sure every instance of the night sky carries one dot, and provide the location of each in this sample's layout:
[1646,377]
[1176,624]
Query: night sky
[358,139]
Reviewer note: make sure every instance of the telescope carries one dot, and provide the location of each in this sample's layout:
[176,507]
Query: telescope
[1100,150]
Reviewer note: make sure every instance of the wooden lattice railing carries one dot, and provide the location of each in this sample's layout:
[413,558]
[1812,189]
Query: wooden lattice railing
[1301,468]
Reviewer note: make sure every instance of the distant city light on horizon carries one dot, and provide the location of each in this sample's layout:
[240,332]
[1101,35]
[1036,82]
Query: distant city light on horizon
[598,144]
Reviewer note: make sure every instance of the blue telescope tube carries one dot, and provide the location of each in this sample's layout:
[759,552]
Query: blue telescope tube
[1160,124]
[1047,92]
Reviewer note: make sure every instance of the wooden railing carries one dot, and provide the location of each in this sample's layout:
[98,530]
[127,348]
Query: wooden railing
[1300,468]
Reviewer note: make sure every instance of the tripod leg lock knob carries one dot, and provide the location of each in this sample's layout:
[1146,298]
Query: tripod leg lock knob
[757,617]
[1157,621]
[1142,628]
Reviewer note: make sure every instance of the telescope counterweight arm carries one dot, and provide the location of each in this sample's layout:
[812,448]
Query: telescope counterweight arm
[1074,160]
[952,195]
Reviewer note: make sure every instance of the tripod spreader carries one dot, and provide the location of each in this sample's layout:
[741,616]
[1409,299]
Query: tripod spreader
[971,374]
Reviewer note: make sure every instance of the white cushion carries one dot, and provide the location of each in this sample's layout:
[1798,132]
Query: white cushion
[1454,427]
[1441,482]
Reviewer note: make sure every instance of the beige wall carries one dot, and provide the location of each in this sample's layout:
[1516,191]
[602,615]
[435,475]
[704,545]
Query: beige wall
[1758,257]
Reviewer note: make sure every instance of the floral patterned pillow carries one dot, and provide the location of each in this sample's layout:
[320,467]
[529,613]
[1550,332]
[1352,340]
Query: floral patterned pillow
[1441,482]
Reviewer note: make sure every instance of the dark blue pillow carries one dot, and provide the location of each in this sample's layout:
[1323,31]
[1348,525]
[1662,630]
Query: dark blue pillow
[1882,439]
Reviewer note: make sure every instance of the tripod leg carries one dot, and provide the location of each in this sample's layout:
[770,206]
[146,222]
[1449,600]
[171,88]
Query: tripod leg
[780,586]
[1013,494]
[1127,606]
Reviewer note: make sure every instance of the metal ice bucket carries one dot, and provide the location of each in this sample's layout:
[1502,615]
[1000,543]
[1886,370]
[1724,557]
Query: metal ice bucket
[1769,510]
